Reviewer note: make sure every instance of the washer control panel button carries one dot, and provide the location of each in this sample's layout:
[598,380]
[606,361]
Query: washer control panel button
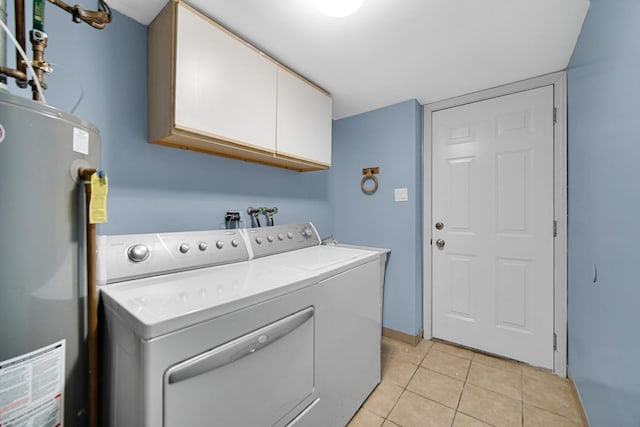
[203,246]
[138,253]
[184,248]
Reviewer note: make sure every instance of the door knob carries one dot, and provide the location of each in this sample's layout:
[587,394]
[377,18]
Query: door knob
[440,243]
[439,225]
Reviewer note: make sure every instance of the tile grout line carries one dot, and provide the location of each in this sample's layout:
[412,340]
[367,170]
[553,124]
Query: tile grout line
[464,383]
[483,388]
[404,388]
[455,411]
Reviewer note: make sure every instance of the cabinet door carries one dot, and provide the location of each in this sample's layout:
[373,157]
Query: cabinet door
[304,120]
[222,86]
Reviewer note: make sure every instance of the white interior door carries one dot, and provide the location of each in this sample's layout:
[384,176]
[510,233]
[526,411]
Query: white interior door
[493,193]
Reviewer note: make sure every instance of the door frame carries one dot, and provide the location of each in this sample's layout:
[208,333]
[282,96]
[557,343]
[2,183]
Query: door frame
[558,80]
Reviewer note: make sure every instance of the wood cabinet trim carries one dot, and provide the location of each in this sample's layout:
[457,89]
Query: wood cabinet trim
[177,129]
[160,82]
[194,142]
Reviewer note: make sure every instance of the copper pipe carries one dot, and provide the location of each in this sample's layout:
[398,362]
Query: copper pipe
[38,44]
[92,303]
[10,72]
[97,19]
[85,173]
[3,41]
[21,67]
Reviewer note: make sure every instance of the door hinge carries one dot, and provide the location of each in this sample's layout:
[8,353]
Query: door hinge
[555,342]
[555,115]
[555,228]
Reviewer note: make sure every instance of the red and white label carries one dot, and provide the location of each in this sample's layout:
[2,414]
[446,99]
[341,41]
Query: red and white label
[32,388]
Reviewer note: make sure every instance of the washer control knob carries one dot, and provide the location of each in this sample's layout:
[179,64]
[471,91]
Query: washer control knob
[270,238]
[203,246]
[259,240]
[307,233]
[280,236]
[219,244]
[138,253]
[184,248]
[234,243]
[290,235]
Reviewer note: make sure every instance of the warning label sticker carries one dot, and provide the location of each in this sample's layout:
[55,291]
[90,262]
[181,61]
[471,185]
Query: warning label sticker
[32,387]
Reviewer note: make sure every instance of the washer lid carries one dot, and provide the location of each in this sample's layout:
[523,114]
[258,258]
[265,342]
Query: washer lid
[319,258]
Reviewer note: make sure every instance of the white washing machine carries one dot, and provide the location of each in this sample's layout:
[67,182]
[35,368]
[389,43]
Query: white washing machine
[258,327]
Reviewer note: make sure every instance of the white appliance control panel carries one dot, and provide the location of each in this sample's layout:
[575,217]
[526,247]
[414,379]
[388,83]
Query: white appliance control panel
[129,256]
[266,241]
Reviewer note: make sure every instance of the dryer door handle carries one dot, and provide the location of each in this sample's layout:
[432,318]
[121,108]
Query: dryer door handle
[238,348]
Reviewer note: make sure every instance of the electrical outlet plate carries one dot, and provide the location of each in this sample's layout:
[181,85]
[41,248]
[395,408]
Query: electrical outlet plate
[401,194]
[232,216]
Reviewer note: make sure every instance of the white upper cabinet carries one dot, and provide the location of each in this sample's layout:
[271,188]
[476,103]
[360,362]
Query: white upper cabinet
[210,91]
[223,87]
[304,119]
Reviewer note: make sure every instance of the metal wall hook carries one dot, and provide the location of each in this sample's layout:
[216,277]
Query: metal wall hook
[369,174]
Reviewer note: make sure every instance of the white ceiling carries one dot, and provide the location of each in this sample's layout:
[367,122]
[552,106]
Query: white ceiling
[393,50]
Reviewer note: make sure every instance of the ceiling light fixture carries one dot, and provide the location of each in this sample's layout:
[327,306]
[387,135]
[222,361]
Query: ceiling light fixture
[338,8]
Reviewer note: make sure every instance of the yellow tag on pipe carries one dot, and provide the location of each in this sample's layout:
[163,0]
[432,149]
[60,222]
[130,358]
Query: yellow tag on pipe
[98,202]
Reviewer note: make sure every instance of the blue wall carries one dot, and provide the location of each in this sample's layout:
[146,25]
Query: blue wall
[101,77]
[604,207]
[154,188]
[390,138]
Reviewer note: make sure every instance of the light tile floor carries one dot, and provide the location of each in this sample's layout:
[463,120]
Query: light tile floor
[437,384]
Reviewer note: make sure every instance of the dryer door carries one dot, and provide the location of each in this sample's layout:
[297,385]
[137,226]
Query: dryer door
[257,379]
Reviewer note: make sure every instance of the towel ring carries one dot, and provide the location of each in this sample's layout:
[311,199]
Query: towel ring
[365,179]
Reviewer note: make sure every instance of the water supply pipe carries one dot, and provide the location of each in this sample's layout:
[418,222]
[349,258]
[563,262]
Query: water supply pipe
[15,73]
[21,64]
[3,42]
[92,302]
[97,19]
[19,73]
